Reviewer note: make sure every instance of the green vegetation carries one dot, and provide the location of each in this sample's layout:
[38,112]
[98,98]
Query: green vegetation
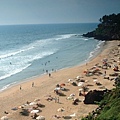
[109,107]
[108,29]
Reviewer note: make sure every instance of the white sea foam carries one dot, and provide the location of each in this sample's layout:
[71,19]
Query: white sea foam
[15,61]
[84,38]
[14,72]
[12,52]
[66,36]
[6,86]
[22,62]
[39,43]
[96,48]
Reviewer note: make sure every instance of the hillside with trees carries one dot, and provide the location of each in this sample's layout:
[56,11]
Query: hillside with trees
[108,29]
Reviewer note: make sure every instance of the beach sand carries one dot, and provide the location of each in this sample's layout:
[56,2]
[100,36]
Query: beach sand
[13,98]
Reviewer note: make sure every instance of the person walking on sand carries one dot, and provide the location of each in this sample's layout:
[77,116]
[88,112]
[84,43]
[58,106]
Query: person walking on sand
[49,74]
[32,84]
[20,87]
[58,99]
[105,73]
[55,99]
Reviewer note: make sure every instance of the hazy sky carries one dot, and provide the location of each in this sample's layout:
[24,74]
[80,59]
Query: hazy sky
[55,11]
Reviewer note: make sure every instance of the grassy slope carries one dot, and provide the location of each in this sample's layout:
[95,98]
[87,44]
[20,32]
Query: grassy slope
[110,106]
[111,110]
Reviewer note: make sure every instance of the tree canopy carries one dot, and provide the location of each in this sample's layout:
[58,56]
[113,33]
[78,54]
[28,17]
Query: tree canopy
[108,29]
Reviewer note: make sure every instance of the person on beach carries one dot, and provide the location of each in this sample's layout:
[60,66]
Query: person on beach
[20,87]
[56,116]
[47,71]
[55,99]
[32,84]
[58,100]
[105,73]
[49,74]
[6,112]
[80,93]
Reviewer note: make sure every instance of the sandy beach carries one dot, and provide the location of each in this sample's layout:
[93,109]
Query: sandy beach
[41,89]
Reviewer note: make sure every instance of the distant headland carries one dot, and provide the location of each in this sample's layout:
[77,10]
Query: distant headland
[108,29]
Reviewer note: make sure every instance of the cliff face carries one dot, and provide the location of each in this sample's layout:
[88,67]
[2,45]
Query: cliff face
[108,29]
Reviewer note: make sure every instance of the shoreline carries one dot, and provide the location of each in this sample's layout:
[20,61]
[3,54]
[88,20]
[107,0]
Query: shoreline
[44,85]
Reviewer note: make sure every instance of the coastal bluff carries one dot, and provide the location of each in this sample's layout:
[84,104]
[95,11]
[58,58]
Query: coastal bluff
[108,28]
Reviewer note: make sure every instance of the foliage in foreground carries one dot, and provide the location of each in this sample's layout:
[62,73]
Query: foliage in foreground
[109,106]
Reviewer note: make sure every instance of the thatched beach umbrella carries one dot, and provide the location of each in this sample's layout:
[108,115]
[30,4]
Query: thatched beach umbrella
[80,83]
[70,80]
[33,103]
[78,77]
[40,118]
[57,88]
[4,118]
[34,111]
[61,109]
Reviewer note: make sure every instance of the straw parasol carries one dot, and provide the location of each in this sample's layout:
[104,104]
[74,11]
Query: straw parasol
[80,83]
[78,77]
[33,103]
[34,111]
[40,118]
[4,118]
[61,110]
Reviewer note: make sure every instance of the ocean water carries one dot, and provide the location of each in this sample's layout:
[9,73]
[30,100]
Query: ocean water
[31,50]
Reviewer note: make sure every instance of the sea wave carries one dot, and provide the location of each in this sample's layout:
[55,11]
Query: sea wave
[21,62]
[41,42]
[91,38]
[14,72]
[96,49]
[65,36]
[6,86]
[14,52]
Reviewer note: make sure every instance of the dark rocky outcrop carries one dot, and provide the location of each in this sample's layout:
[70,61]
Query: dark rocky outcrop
[94,96]
[99,37]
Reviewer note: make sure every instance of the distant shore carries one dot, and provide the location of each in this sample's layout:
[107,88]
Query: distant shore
[40,87]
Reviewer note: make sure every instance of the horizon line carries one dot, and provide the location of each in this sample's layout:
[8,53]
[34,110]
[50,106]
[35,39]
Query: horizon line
[49,23]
